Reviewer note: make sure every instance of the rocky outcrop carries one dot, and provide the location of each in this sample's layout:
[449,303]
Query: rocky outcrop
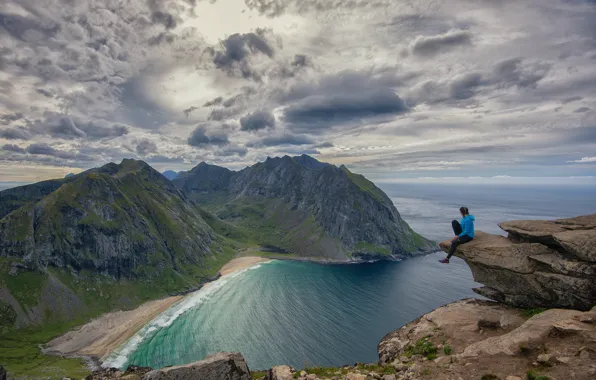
[2,373]
[220,366]
[470,339]
[223,365]
[540,263]
[314,208]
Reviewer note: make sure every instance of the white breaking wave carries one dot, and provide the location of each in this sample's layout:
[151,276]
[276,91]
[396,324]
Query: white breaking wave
[119,357]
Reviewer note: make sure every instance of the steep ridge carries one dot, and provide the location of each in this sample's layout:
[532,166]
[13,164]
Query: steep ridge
[124,221]
[306,207]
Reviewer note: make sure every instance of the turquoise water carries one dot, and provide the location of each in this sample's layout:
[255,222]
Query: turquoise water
[299,313]
[305,314]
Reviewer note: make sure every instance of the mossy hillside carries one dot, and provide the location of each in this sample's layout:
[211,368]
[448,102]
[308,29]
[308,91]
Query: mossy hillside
[372,248]
[366,186]
[259,221]
[19,349]
[111,223]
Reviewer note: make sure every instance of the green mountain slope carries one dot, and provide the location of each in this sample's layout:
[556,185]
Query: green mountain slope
[305,207]
[107,239]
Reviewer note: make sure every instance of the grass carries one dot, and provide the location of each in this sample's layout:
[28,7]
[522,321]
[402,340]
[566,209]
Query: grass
[365,185]
[424,347]
[532,375]
[529,313]
[19,349]
[447,350]
[332,371]
[255,375]
[372,248]
[22,358]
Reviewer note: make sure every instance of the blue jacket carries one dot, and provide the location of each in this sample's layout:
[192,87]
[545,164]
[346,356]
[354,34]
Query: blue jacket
[467,226]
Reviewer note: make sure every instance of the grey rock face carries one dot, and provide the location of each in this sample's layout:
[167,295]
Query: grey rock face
[350,208]
[221,366]
[540,264]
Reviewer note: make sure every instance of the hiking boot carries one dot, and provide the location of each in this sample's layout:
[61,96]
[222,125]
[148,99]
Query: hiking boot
[444,261]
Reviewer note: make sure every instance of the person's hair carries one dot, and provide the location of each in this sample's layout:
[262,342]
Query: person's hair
[464,211]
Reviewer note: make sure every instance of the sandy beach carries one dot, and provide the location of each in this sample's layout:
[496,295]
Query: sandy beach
[240,263]
[99,337]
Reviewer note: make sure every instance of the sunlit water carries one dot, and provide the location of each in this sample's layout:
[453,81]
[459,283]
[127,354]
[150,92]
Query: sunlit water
[306,314]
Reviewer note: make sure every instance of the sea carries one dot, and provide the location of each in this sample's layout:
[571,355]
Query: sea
[306,314]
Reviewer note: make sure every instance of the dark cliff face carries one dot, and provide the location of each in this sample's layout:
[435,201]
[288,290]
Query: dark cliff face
[124,220]
[357,216]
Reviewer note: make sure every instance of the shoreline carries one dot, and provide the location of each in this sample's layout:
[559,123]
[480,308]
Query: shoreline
[95,340]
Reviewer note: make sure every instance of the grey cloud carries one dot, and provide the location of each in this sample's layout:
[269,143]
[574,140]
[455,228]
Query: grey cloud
[300,60]
[189,110]
[145,147]
[464,86]
[347,81]
[15,134]
[27,29]
[580,135]
[515,72]
[429,46]
[274,8]
[67,127]
[571,99]
[165,160]
[46,150]
[318,112]
[231,150]
[235,51]
[13,148]
[9,118]
[166,19]
[287,139]
[257,120]
[215,102]
[161,38]
[507,73]
[326,144]
[45,93]
[199,138]
[582,109]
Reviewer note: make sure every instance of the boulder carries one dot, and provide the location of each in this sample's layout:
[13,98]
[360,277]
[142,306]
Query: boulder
[456,323]
[280,372]
[2,373]
[576,236]
[223,365]
[533,334]
[549,264]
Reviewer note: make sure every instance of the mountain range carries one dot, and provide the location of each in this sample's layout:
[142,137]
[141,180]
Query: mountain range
[117,235]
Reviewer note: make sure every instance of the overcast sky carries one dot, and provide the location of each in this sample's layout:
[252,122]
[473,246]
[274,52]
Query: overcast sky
[392,89]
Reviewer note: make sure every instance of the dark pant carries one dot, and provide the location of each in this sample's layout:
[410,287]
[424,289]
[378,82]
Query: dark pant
[460,240]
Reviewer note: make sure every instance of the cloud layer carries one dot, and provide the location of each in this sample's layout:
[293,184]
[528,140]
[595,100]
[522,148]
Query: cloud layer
[389,88]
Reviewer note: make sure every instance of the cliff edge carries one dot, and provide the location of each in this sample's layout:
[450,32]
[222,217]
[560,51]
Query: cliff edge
[540,263]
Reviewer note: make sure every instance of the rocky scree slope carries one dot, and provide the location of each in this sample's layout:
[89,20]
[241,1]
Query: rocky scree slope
[540,264]
[306,207]
[125,221]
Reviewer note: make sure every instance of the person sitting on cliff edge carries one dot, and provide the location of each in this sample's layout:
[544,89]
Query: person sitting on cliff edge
[464,232]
